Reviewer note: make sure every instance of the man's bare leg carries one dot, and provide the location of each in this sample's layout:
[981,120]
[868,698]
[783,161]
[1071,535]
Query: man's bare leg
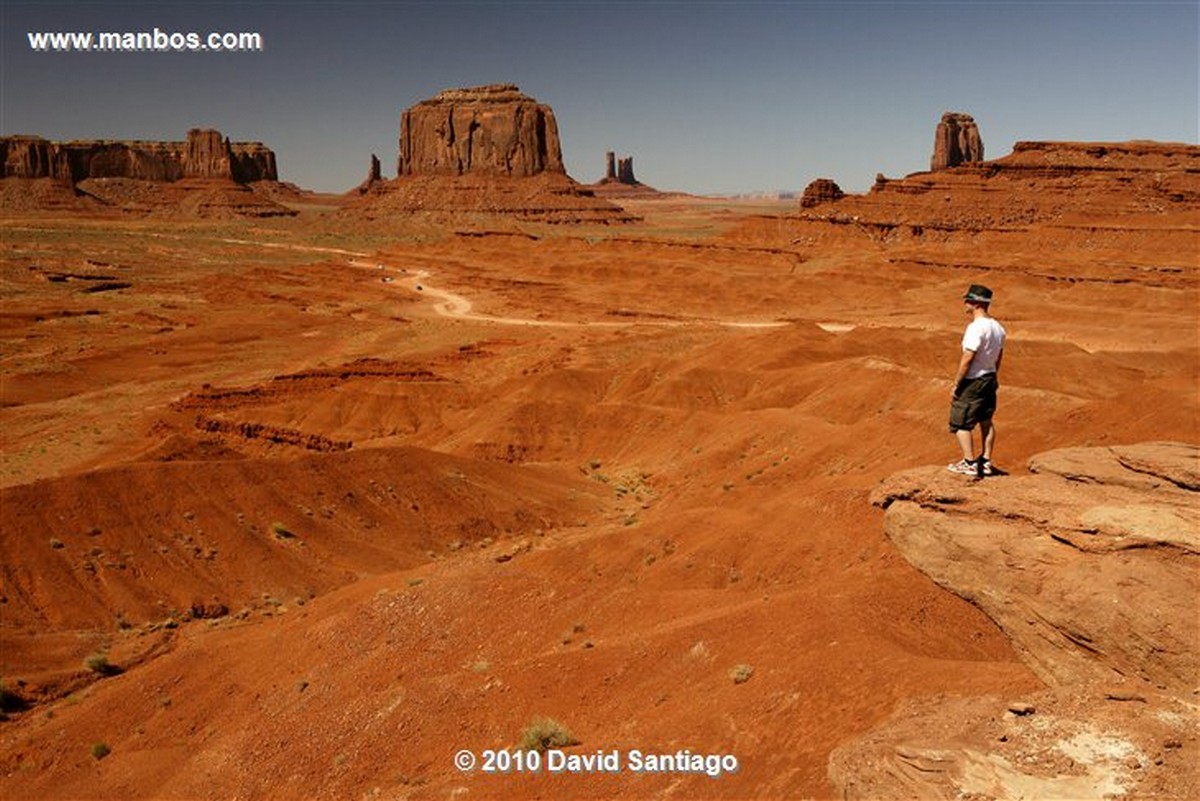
[966,443]
[987,432]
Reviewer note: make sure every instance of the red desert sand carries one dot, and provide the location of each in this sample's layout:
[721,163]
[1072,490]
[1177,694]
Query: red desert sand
[300,506]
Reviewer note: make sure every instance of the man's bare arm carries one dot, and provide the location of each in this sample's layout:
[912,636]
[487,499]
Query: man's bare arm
[964,364]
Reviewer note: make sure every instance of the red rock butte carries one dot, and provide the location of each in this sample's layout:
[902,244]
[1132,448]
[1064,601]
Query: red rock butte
[822,190]
[491,129]
[484,150]
[956,141]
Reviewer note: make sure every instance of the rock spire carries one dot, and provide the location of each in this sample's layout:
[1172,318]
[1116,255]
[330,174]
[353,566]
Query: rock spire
[956,141]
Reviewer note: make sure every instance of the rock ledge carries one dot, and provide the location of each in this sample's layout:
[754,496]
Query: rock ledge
[1091,566]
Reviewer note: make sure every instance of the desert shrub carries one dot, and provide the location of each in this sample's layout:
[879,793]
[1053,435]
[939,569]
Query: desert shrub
[100,750]
[741,673]
[544,733]
[99,664]
[281,531]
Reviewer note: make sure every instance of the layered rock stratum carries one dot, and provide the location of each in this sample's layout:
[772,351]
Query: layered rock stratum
[1054,185]
[493,130]
[204,154]
[822,190]
[205,174]
[33,157]
[1090,566]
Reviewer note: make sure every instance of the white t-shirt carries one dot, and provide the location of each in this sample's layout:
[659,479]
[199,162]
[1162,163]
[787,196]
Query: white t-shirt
[986,337]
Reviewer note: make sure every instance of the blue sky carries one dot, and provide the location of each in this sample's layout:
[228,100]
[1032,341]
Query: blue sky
[708,97]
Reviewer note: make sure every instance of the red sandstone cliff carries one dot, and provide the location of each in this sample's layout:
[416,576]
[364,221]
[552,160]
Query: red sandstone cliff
[205,154]
[488,150]
[492,129]
[1038,182]
[33,157]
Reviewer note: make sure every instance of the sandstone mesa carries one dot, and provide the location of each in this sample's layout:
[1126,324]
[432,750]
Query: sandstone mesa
[206,175]
[484,150]
[493,130]
[204,154]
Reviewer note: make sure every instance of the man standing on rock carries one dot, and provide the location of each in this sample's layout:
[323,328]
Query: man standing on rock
[974,392]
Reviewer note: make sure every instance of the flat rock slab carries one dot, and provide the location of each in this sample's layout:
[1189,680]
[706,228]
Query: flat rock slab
[1090,566]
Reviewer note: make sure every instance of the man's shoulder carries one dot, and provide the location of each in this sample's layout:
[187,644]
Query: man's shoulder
[986,323]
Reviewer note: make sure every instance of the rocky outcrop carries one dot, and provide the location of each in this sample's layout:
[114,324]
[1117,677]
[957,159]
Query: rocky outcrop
[491,130]
[191,197]
[374,180]
[205,154]
[545,198]
[251,162]
[620,184]
[143,161]
[618,171]
[625,171]
[33,157]
[822,190]
[956,141]
[1044,184]
[206,175]
[490,151]
[1091,566]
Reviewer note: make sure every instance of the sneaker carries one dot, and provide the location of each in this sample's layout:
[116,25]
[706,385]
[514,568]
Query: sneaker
[987,468]
[966,467]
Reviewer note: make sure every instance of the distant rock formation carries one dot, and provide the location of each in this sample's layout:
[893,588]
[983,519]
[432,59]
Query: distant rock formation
[486,150]
[493,130]
[204,176]
[33,157]
[374,180]
[1089,566]
[625,171]
[822,190]
[205,154]
[1029,186]
[618,171]
[956,141]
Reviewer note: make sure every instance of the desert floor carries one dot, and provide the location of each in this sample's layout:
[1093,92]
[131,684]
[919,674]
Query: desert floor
[340,500]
